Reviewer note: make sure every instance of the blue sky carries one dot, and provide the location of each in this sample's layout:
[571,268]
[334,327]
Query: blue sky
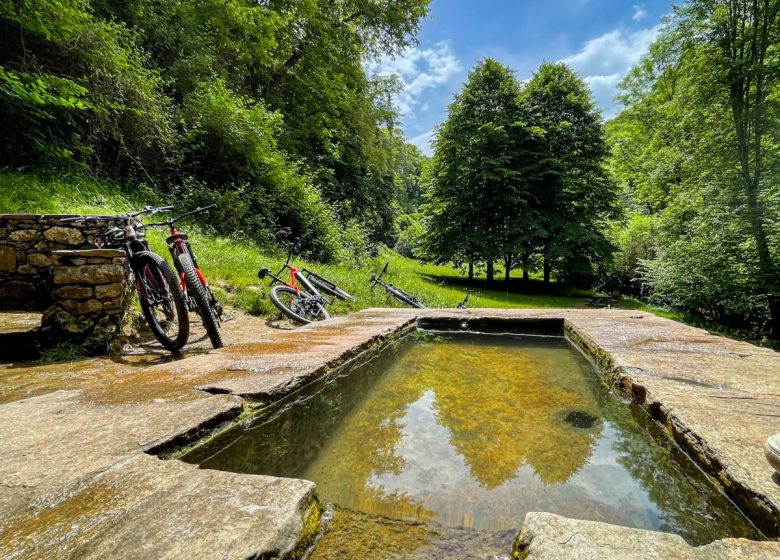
[600,39]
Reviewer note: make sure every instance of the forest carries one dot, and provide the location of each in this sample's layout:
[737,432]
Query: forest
[269,109]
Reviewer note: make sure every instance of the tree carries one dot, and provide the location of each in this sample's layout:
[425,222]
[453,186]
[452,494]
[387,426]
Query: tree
[263,106]
[478,201]
[740,39]
[574,193]
[691,150]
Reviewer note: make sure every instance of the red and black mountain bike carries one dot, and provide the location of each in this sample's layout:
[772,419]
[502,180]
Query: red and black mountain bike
[197,293]
[299,298]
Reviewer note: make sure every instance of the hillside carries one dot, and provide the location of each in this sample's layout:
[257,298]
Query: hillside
[231,263]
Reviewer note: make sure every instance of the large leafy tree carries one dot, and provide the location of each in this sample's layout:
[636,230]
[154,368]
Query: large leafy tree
[574,193]
[694,151]
[740,39]
[266,106]
[479,207]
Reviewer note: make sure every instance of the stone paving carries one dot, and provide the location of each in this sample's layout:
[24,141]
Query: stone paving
[76,479]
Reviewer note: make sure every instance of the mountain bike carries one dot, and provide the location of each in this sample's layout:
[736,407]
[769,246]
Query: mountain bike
[162,300]
[395,291]
[197,292]
[299,299]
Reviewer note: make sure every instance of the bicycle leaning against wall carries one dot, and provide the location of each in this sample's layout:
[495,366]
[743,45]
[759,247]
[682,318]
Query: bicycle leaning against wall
[197,292]
[159,291]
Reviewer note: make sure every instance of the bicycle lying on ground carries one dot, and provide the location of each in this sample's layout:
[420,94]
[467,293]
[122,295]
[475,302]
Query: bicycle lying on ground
[299,299]
[197,293]
[159,291]
[395,291]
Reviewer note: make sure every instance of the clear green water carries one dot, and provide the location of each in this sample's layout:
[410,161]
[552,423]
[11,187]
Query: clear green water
[474,431]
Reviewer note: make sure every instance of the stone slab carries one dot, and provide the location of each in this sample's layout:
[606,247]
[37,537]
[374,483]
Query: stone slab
[546,536]
[719,398]
[78,429]
[143,507]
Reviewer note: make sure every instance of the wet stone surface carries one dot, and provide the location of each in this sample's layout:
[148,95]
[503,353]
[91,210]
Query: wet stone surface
[546,536]
[75,479]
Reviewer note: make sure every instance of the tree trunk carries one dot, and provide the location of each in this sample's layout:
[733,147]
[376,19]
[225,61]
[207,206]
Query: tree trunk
[774,316]
[471,270]
[490,271]
[526,266]
[547,270]
[508,267]
[745,48]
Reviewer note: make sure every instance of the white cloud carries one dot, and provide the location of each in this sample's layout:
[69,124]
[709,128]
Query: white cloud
[419,70]
[639,12]
[604,61]
[423,141]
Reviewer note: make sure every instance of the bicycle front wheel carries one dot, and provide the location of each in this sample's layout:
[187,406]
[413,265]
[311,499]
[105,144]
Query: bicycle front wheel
[197,291]
[162,300]
[296,306]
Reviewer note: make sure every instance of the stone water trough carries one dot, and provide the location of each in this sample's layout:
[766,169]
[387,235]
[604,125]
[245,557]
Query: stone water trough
[80,291]
[80,444]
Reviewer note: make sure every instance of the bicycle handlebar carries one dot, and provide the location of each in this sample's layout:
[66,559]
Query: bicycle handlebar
[146,210]
[202,210]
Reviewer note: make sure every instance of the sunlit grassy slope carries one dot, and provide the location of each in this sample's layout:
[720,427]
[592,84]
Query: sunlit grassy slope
[232,264]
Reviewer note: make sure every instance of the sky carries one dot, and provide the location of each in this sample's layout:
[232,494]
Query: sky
[599,39]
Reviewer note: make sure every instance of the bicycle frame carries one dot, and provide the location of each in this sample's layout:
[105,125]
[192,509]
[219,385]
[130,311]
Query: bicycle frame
[296,276]
[179,244]
[395,291]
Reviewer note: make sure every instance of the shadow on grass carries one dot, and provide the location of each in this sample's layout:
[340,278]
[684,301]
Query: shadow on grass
[515,293]
[513,286]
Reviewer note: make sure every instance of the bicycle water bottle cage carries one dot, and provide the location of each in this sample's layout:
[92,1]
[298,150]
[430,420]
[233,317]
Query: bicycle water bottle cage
[263,273]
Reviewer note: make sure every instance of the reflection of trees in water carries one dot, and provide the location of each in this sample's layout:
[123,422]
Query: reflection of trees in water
[502,407]
[514,415]
[498,408]
[292,440]
[690,505]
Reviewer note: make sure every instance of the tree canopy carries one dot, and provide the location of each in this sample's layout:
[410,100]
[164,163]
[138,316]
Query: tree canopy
[518,173]
[264,106]
[695,150]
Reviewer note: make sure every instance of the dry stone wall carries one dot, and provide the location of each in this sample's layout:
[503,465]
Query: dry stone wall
[26,245]
[55,268]
[91,289]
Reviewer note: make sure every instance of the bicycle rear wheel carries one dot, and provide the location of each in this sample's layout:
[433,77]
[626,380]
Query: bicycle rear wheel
[162,300]
[296,306]
[197,291]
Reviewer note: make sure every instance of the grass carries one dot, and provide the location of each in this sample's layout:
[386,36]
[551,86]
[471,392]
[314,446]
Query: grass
[62,353]
[231,264]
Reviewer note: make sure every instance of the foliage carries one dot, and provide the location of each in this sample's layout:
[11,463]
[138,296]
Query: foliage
[575,194]
[701,196]
[411,236]
[479,192]
[263,106]
[519,173]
